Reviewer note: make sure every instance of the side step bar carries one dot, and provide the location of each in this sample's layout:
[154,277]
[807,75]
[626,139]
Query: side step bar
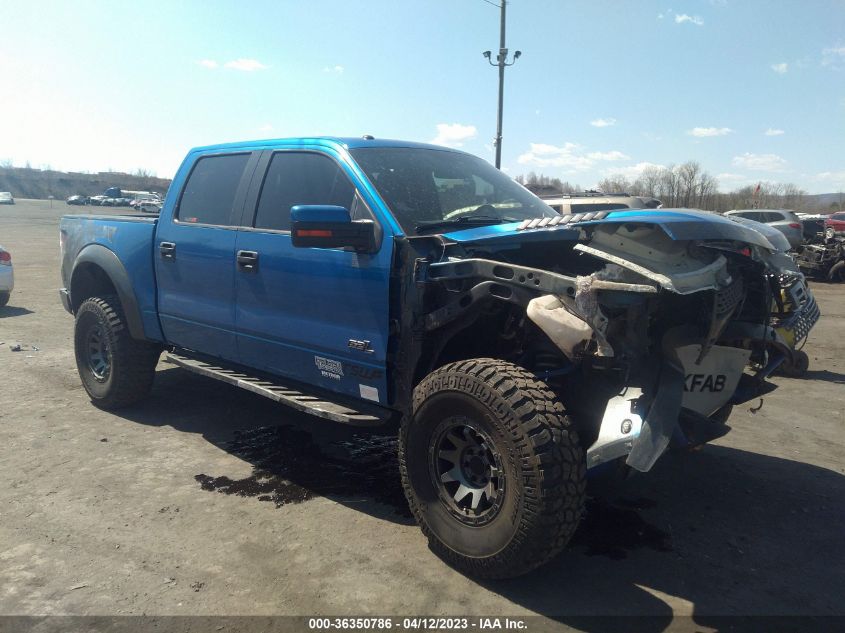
[275,389]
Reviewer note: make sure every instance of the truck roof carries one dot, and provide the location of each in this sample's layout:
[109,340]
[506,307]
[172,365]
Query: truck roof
[351,142]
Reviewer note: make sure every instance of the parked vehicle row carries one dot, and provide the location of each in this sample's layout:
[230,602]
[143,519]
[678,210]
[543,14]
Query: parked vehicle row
[149,203]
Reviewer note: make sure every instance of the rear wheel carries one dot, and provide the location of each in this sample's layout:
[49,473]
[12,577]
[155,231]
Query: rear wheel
[492,468]
[4,298]
[837,272]
[116,369]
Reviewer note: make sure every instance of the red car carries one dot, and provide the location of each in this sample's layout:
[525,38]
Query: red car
[835,223]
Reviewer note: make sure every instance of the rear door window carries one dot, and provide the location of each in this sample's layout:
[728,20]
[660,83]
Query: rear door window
[295,178]
[210,192]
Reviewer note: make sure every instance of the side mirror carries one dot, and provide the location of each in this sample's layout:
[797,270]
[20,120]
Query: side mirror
[326,226]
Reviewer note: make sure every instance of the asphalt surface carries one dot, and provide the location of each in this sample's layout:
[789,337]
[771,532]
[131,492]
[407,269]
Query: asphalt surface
[208,500]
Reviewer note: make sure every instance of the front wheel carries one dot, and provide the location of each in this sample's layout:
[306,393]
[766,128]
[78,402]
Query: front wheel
[798,366]
[116,369]
[492,468]
[4,298]
[837,272]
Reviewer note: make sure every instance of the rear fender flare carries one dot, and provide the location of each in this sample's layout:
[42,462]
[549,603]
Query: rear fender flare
[110,264]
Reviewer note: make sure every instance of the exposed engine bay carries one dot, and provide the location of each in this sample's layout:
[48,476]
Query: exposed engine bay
[648,326]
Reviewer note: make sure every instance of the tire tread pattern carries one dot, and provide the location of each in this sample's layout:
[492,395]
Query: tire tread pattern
[133,361]
[552,463]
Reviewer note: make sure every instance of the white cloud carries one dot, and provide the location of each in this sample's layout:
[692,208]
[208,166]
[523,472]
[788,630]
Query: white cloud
[631,172]
[245,65]
[603,122]
[702,132]
[337,69]
[734,178]
[780,68]
[609,156]
[267,127]
[833,56]
[832,176]
[453,134]
[680,18]
[543,155]
[568,157]
[659,16]
[207,63]
[760,162]
[774,132]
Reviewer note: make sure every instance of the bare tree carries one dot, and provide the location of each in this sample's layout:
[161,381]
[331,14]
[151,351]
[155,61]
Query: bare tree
[649,181]
[614,184]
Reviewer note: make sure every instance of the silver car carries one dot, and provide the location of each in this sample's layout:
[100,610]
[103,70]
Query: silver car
[784,220]
[7,277]
[6,198]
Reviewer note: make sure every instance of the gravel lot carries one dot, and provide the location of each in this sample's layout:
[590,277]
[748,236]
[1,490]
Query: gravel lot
[210,500]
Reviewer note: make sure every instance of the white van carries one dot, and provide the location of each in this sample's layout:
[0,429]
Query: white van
[597,201]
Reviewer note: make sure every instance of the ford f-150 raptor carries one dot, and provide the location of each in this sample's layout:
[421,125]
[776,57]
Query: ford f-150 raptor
[371,281]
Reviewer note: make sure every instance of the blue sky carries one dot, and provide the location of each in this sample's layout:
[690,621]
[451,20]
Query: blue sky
[754,90]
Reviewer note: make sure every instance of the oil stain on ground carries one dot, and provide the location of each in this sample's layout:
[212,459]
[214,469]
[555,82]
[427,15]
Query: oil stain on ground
[289,467]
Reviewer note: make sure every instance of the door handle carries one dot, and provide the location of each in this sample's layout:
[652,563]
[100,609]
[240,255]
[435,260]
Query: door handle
[248,260]
[167,250]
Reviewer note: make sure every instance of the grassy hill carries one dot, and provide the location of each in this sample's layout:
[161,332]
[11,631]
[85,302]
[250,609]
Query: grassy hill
[23,182]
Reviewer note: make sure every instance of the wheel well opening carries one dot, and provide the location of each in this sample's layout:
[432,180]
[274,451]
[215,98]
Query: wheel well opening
[89,280]
[488,333]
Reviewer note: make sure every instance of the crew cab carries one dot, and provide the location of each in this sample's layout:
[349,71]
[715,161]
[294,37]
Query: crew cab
[375,282]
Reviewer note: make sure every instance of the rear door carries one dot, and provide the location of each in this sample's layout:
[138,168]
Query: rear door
[317,315]
[195,255]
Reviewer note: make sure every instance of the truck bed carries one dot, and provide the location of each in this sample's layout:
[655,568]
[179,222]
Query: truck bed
[131,239]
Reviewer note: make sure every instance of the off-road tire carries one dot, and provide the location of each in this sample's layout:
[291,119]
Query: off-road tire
[4,298]
[543,462]
[837,272]
[132,362]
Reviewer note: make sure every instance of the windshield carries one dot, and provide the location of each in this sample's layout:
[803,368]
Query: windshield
[433,189]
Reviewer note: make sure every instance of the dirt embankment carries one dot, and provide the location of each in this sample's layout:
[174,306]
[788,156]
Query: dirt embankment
[40,184]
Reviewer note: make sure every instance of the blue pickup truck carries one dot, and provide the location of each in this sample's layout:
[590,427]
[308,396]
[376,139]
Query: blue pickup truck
[375,282]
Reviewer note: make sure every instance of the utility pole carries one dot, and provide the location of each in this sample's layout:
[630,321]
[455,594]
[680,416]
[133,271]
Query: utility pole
[501,62]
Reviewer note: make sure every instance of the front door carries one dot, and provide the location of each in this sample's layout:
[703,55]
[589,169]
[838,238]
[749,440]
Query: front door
[195,256]
[317,315]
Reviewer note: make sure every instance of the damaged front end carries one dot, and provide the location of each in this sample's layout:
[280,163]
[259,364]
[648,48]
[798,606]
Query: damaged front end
[642,322]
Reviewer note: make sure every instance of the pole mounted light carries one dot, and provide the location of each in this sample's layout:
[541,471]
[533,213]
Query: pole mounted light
[501,62]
